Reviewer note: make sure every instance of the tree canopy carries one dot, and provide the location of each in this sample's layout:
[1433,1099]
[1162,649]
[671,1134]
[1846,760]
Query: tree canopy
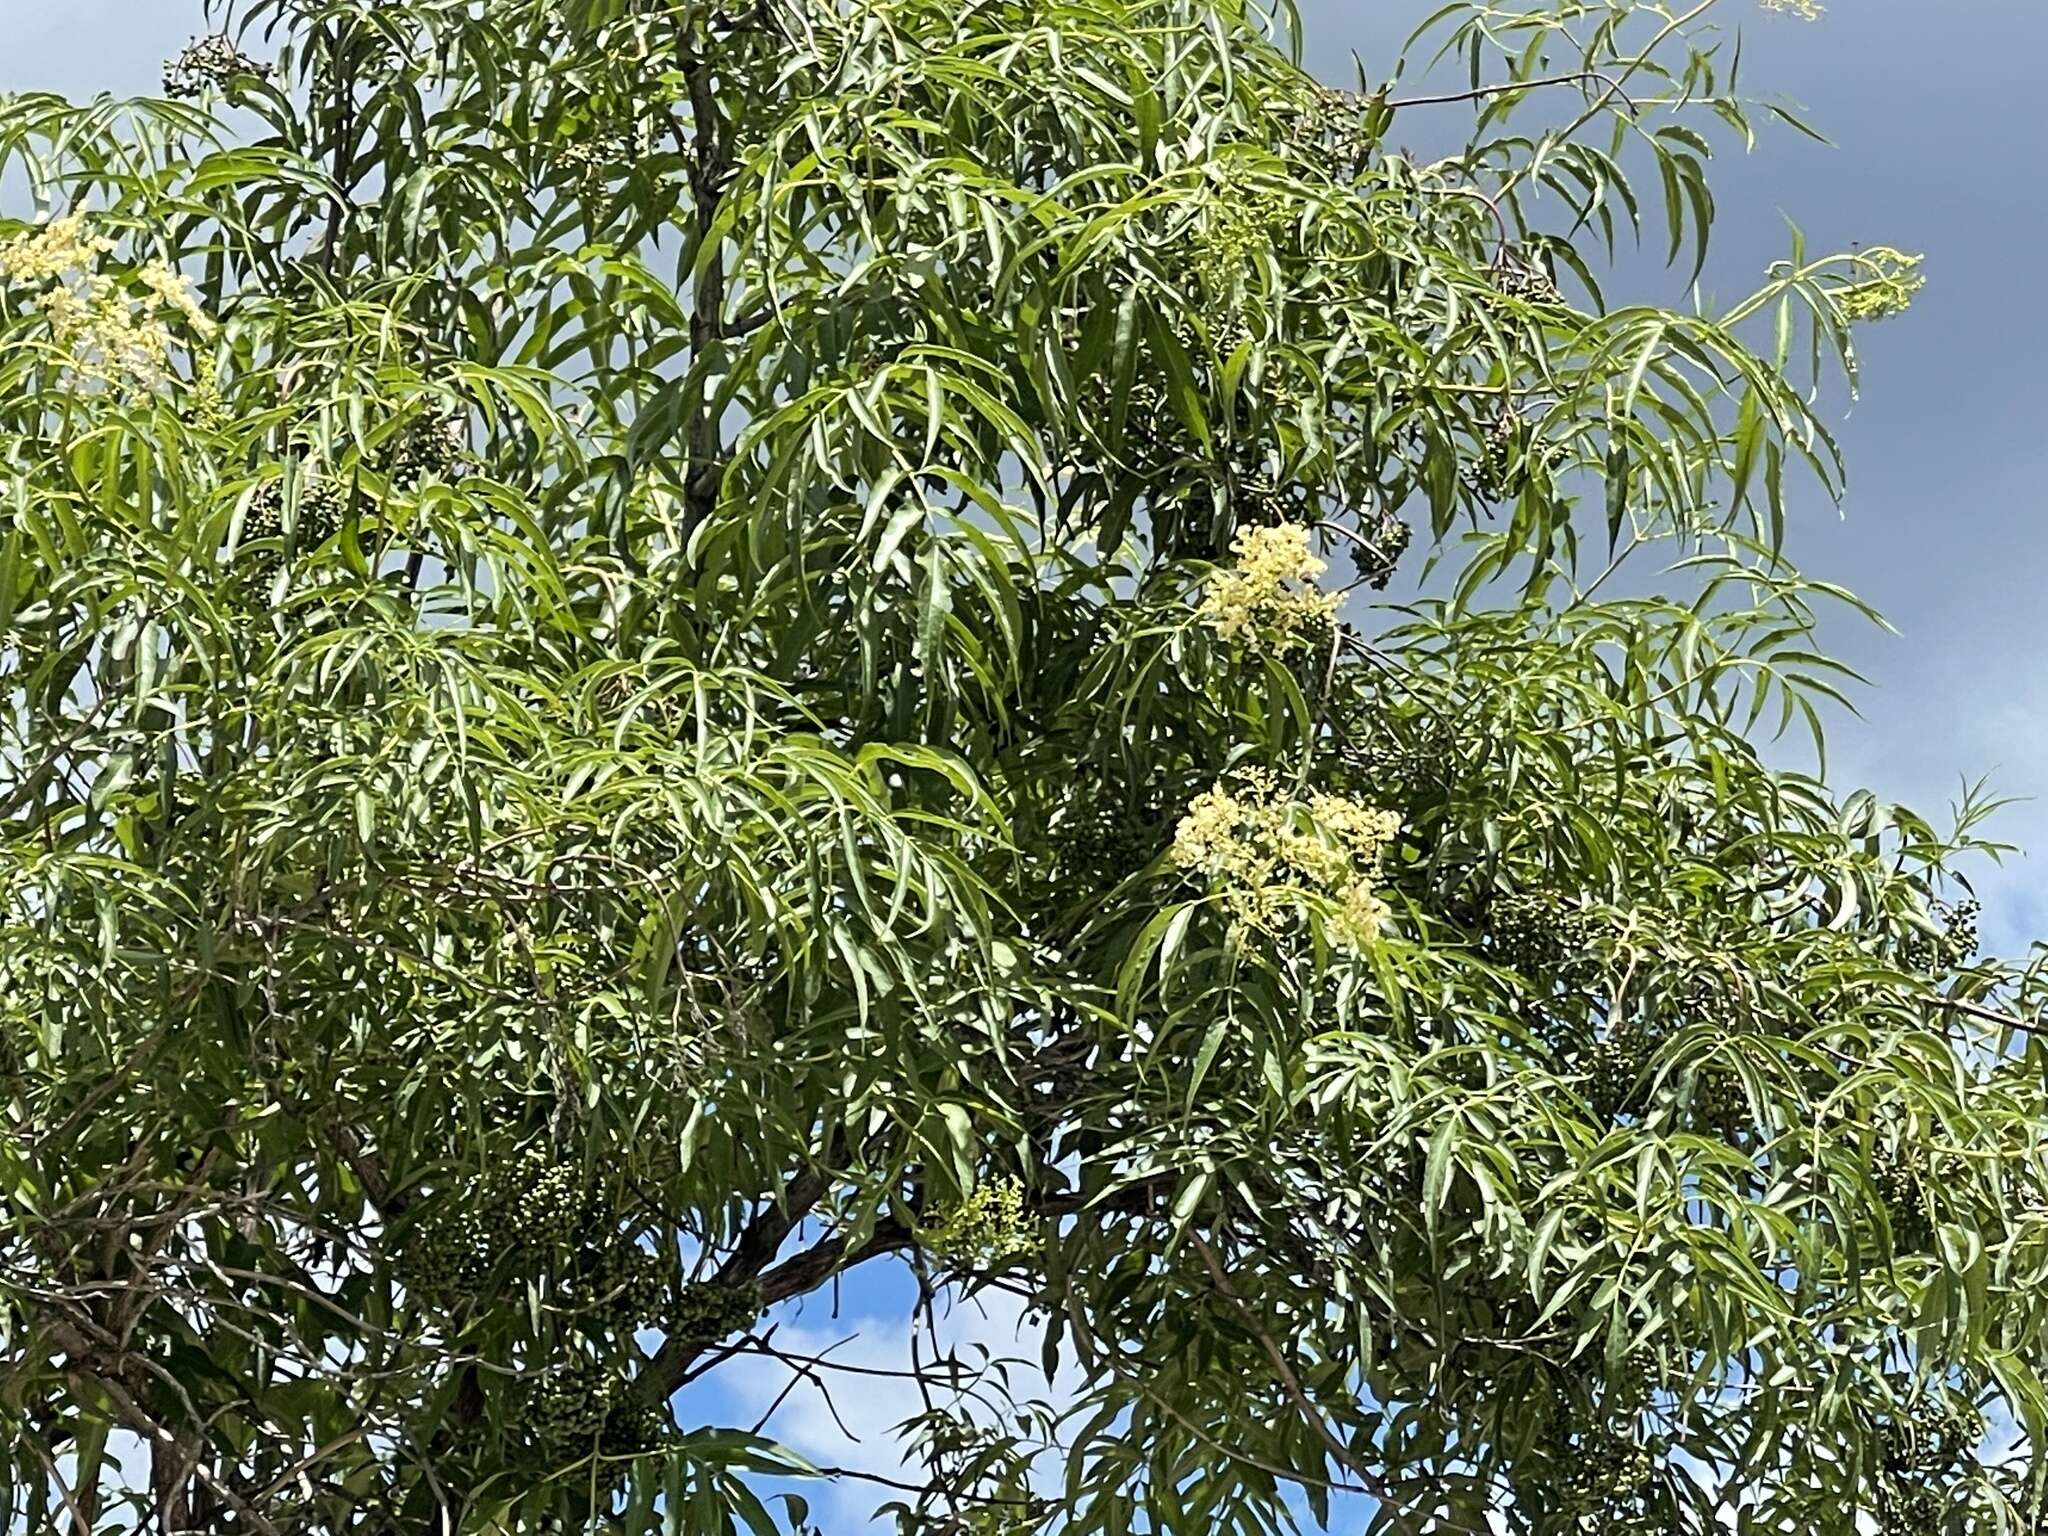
[655,652]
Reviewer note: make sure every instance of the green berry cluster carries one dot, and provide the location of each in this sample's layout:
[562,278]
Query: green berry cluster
[1539,932]
[569,1402]
[706,1313]
[1631,1384]
[1615,1069]
[1604,1475]
[429,449]
[633,1428]
[207,63]
[525,1208]
[1900,1187]
[448,1253]
[322,505]
[544,1201]
[1920,1454]
[623,1287]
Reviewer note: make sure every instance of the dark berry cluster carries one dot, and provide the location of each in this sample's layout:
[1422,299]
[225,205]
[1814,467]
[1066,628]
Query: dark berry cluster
[1539,932]
[1719,1104]
[1920,1454]
[1699,996]
[1510,453]
[1262,501]
[1959,936]
[322,505]
[207,63]
[1155,444]
[1381,542]
[1955,946]
[1396,764]
[1104,838]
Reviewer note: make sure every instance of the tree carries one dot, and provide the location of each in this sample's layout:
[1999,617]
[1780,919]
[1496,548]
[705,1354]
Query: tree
[656,652]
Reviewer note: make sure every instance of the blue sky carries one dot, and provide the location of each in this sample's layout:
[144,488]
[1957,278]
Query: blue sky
[1933,107]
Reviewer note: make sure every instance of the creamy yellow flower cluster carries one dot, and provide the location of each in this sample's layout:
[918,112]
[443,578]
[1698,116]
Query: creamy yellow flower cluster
[1260,850]
[1269,599]
[1805,10]
[1887,281]
[113,334]
[987,1228]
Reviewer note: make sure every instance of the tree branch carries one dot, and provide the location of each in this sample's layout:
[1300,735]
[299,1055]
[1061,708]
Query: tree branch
[1289,1382]
[710,166]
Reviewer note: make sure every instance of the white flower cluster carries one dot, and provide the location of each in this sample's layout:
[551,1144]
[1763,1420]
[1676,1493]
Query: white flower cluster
[113,333]
[1261,850]
[1268,598]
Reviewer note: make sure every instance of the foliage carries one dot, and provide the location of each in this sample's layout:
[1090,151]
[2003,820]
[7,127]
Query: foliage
[656,652]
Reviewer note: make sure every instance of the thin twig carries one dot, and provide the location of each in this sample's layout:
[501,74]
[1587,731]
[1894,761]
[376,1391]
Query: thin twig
[1508,88]
[1988,1015]
[1289,1382]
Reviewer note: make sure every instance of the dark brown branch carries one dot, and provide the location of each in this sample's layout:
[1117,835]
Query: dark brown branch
[754,1252]
[344,147]
[1289,1382]
[814,1266]
[708,157]
[767,1232]
[368,1169]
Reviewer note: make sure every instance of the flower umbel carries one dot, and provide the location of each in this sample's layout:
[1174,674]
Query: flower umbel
[986,1229]
[1884,285]
[112,333]
[1805,10]
[52,249]
[1263,851]
[1269,597]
